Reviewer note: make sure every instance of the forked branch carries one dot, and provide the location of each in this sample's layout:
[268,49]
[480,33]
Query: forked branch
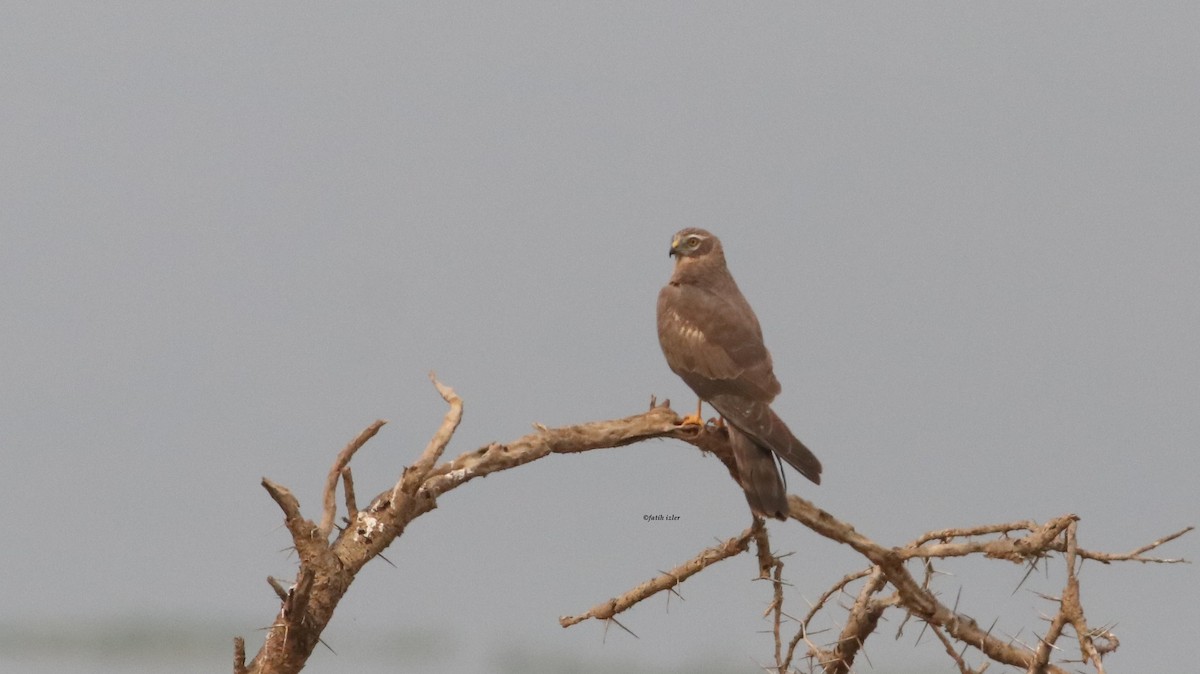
[328,566]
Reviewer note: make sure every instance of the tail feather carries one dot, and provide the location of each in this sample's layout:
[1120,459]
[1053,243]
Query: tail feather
[759,476]
[757,420]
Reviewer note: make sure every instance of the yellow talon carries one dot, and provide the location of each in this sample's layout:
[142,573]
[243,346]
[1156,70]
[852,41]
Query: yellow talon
[693,419]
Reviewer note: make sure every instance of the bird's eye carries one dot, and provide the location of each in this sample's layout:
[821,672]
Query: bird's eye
[693,241]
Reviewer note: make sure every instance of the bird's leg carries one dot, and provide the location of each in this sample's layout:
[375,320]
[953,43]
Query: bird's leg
[718,422]
[693,420]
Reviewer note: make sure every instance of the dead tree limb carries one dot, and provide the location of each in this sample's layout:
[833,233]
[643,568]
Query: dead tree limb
[667,580]
[328,566]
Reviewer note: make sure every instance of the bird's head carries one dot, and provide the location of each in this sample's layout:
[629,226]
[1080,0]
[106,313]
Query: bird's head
[693,243]
[699,259]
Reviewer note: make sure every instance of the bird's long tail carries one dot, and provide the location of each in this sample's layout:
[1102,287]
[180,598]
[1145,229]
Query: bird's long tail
[757,420]
[759,476]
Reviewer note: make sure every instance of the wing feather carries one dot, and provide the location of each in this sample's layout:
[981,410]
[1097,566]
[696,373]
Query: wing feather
[759,421]
[713,343]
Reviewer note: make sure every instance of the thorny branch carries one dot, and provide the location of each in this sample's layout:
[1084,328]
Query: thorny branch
[669,579]
[328,567]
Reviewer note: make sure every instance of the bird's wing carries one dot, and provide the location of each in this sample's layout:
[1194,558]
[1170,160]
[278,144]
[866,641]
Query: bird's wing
[714,342]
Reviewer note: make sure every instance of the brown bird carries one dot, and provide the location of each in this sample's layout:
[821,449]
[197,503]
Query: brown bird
[712,340]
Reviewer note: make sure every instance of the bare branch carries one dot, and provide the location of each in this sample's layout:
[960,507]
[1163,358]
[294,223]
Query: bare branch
[278,587]
[916,599]
[762,543]
[817,606]
[335,472]
[415,474]
[305,535]
[666,581]
[657,423]
[950,650]
[864,617]
[1135,555]
[1018,550]
[239,655]
[348,488]
[1073,611]
[1046,643]
[327,568]
[945,535]
[776,610]
[838,587]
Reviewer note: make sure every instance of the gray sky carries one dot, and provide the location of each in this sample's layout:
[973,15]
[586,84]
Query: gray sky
[231,236]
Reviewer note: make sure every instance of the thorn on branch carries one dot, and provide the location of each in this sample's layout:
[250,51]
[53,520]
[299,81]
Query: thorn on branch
[618,624]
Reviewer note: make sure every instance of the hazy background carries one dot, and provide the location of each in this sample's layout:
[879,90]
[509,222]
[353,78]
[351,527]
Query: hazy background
[233,235]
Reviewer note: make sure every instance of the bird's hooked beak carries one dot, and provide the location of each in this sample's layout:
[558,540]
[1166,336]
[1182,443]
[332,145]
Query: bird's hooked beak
[674,247]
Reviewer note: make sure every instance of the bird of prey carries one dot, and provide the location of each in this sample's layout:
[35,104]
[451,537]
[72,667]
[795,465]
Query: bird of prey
[712,340]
